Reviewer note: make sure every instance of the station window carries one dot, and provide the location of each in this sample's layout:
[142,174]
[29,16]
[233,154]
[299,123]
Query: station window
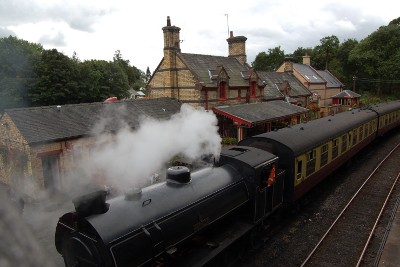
[253,89]
[222,90]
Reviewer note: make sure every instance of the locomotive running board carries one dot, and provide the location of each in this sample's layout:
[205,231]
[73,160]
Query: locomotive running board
[219,242]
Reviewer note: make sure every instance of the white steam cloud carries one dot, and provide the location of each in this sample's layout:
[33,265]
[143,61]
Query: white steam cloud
[130,157]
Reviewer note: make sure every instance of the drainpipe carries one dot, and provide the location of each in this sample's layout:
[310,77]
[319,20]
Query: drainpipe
[206,96]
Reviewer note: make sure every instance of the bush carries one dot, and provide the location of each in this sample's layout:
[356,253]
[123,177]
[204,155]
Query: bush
[229,141]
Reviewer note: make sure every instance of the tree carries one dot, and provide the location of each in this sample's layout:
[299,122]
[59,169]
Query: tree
[300,52]
[148,75]
[102,79]
[345,71]
[18,59]
[270,61]
[326,51]
[377,59]
[136,77]
[57,80]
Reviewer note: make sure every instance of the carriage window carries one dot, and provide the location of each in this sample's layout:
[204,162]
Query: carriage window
[354,137]
[311,155]
[324,148]
[324,154]
[360,133]
[299,168]
[335,149]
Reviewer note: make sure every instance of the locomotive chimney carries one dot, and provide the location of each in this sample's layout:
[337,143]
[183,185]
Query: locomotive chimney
[92,203]
[178,175]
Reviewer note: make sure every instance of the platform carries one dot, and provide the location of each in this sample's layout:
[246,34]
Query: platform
[391,252]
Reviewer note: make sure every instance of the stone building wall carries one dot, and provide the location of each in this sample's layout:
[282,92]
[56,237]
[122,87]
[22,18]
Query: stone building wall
[21,164]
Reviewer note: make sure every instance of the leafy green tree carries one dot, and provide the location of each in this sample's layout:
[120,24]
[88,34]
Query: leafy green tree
[300,52]
[270,61]
[325,52]
[101,80]
[18,59]
[148,75]
[345,70]
[57,80]
[377,59]
[136,77]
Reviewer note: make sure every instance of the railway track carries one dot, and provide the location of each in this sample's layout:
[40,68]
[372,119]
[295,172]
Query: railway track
[346,240]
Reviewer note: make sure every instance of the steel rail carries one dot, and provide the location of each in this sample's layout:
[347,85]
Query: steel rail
[348,204]
[377,220]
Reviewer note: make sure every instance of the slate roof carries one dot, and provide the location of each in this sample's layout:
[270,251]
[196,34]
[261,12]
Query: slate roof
[49,123]
[309,73]
[254,113]
[346,94]
[274,81]
[330,79]
[204,67]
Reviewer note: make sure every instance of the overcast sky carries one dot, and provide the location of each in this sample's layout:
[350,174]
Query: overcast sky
[95,29]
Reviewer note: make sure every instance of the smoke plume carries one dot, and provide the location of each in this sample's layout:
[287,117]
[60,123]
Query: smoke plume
[129,157]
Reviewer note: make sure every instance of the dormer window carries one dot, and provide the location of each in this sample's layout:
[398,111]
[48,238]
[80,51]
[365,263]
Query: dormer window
[222,90]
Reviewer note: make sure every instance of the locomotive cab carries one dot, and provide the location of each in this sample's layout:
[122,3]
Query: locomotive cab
[264,179]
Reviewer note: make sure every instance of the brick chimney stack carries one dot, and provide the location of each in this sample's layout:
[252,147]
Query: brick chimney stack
[171,48]
[307,59]
[237,47]
[288,67]
[171,37]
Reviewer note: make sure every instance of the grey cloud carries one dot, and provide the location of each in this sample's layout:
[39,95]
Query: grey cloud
[4,32]
[364,25]
[17,12]
[57,39]
[79,17]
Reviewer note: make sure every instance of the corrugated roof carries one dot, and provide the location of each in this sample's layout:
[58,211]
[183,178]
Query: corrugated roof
[50,123]
[254,113]
[203,65]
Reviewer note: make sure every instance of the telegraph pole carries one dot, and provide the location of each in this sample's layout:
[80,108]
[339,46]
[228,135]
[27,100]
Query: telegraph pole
[354,83]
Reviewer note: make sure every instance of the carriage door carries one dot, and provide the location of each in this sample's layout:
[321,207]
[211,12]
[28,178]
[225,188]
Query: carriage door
[51,172]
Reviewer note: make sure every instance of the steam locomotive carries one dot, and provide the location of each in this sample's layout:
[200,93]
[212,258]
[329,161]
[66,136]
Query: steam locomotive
[193,216]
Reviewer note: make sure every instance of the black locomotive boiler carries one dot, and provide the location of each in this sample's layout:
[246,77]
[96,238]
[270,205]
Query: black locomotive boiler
[159,224]
[155,224]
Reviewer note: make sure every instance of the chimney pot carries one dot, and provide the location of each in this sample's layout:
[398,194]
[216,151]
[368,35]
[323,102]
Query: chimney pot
[168,21]
[231,34]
